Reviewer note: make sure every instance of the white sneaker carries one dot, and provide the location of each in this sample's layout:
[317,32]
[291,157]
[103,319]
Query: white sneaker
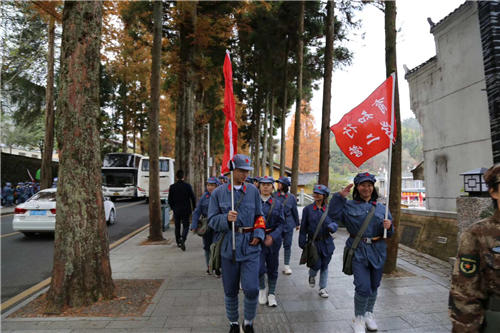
[323,293]
[371,325]
[287,270]
[271,300]
[262,296]
[358,324]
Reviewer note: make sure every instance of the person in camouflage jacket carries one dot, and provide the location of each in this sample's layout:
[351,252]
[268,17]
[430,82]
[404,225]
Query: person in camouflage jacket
[474,302]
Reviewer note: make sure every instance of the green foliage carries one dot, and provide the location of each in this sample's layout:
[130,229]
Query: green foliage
[29,136]
[24,49]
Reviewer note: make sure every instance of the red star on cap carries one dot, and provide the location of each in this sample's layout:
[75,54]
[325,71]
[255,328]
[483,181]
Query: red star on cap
[246,160]
[367,174]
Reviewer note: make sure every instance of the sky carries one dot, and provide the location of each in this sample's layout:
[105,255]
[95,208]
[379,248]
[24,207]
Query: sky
[415,44]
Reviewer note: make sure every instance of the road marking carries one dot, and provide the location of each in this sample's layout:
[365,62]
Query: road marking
[28,292]
[39,286]
[11,234]
[124,238]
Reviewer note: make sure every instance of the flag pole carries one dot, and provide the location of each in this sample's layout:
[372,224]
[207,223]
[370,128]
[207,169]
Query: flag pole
[391,137]
[232,208]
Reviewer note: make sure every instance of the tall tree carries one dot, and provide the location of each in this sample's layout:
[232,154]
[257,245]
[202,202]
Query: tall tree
[298,100]
[395,181]
[155,227]
[186,102]
[324,154]
[309,142]
[48,9]
[284,109]
[264,138]
[270,148]
[46,169]
[82,272]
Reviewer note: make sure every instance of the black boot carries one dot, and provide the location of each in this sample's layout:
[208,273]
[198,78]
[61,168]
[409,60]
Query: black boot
[248,329]
[235,328]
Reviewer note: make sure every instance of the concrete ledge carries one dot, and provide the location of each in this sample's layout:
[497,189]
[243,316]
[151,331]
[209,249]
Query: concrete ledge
[431,213]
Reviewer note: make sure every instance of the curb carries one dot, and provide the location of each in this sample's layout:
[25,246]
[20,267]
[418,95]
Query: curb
[45,283]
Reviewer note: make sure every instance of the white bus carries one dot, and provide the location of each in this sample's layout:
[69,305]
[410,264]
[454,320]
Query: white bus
[166,177]
[119,175]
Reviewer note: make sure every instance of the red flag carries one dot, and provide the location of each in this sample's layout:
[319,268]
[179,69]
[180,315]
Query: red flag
[365,130]
[230,128]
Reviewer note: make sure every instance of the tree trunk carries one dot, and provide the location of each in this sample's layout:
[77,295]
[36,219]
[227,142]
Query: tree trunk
[298,101]
[155,222]
[82,272]
[46,170]
[257,135]
[324,150]
[270,148]
[184,136]
[283,112]
[264,138]
[395,181]
[124,132]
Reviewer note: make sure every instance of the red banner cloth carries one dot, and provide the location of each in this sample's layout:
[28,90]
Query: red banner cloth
[230,128]
[365,130]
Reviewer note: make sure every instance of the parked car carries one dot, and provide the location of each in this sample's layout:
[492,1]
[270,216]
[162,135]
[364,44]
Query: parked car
[38,214]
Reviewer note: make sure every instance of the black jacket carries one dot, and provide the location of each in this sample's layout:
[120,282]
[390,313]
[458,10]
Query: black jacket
[181,198]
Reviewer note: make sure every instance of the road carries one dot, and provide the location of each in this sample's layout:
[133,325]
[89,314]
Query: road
[27,261]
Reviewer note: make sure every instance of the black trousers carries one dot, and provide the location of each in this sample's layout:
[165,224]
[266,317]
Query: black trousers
[184,220]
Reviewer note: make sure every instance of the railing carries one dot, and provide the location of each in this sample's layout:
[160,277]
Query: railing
[305,199]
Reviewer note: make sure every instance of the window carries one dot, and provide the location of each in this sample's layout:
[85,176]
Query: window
[119,160]
[44,196]
[164,165]
[118,179]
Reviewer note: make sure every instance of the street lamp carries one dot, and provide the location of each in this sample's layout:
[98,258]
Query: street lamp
[474,183]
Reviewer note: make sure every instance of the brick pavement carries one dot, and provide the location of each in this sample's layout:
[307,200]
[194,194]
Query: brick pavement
[191,301]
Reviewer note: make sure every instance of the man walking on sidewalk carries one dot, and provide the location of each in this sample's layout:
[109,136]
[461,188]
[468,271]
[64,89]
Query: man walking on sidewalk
[249,232]
[182,201]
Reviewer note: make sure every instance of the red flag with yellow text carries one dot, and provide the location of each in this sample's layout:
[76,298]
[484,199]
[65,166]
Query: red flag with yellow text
[365,131]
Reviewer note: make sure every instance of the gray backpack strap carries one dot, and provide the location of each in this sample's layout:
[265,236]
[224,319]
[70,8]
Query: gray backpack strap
[323,217]
[363,228]
[285,202]
[271,210]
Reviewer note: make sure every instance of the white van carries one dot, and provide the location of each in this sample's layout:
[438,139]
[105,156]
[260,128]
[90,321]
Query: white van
[166,177]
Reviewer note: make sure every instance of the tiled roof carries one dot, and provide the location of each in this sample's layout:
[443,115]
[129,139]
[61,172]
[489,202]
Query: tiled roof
[466,3]
[413,70]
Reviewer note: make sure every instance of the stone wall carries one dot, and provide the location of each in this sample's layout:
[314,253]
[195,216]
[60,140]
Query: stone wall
[430,232]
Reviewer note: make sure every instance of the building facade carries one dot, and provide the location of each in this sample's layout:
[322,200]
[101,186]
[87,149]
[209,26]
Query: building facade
[448,97]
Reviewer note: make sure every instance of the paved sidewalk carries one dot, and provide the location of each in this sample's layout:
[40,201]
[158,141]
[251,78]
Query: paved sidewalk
[191,301]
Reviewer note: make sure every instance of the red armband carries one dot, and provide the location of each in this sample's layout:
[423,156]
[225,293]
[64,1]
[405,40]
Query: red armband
[259,223]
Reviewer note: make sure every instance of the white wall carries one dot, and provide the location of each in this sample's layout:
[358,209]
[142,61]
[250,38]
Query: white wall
[448,98]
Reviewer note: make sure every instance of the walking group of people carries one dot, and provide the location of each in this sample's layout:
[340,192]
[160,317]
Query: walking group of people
[14,195]
[264,221]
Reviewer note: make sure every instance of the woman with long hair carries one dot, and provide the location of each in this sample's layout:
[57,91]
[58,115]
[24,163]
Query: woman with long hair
[292,222]
[269,256]
[371,253]
[311,216]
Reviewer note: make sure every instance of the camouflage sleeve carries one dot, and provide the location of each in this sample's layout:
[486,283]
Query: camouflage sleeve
[466,293]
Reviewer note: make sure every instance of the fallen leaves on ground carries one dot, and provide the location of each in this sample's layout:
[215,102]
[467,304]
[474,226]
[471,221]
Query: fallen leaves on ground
[133,298]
